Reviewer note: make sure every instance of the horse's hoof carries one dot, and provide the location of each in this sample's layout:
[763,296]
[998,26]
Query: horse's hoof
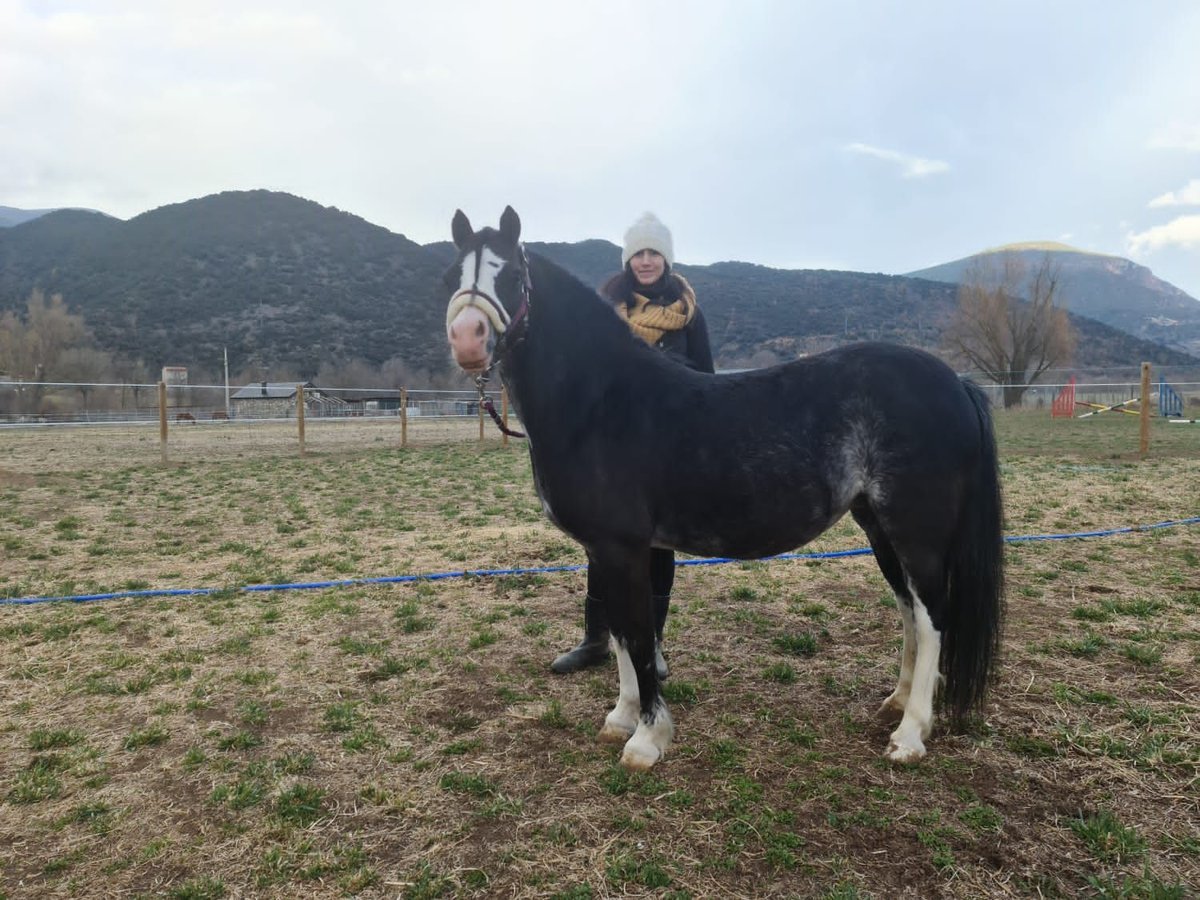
[890,710]
[903,755]
[640,758]
[614,734]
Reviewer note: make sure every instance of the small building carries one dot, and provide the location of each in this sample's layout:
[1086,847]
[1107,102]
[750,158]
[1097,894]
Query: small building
[277,400]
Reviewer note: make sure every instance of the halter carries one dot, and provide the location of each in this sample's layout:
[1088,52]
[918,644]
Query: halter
[505,326]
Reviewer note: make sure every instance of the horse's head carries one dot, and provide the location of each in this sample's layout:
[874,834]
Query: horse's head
[490,290]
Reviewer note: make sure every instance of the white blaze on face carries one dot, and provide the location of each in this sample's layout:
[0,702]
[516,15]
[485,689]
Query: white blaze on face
[469,315]
[479,271]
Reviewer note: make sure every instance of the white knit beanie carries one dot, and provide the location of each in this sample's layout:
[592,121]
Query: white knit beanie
[648,233]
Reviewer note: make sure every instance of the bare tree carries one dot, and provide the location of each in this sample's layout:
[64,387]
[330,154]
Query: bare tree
[86,366]
[32,345]
[1009,324]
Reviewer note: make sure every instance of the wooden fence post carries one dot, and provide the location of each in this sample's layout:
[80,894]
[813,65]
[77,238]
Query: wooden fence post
[162,419]
[1144,441]
[403,417]
[300,415]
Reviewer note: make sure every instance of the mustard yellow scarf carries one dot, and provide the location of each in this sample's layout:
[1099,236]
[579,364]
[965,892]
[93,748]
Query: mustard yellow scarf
[650,321]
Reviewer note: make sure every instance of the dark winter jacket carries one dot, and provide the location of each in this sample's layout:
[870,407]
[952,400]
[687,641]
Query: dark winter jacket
[689,345]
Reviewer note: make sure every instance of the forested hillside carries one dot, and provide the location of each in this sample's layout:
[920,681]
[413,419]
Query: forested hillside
[287,285]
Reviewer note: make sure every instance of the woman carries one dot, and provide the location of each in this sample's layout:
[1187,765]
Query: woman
[661,309]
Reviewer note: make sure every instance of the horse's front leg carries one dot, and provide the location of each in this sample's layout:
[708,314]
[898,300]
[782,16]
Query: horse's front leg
[640,719]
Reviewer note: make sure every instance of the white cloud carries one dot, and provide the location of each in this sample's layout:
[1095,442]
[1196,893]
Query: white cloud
[1189,195]
[1183,231]
[910,166]
[1177,136]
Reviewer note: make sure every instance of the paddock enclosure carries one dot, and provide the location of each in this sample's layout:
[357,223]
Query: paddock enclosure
[408,740]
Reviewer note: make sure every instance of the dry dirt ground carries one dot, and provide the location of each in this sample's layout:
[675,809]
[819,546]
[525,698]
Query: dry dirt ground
[407,740]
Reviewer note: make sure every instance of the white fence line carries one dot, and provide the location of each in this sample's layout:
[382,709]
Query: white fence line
[137,404]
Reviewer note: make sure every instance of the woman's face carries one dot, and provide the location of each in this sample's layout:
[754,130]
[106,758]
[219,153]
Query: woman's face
[648,266]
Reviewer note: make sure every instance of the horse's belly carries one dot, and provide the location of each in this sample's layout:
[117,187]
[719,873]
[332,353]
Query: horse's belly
[742,543]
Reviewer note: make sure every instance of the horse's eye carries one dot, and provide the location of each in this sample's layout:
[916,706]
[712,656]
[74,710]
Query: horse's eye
[452,277]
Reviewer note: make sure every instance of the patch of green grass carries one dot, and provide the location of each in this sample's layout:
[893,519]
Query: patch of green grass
[472,785]
[1087,646]
[410,620]
[982,817]
[150,736]
[626,868]
[254,677]
[782,673]
[727,754]
[802,644]
[1143,654]
[389,667]
[426,884]
[482,638]
[683,692]
[1147,886]
[252,712]
[463,747]
[1091,614]
[937,839]
[54,739]
[365,737]
[242,794]
[39,781]
[203,888]
[300,804]
[239,740]
[294,762]
[554,716]
[96,816]
[341,716]
[360,647]
[1107,839]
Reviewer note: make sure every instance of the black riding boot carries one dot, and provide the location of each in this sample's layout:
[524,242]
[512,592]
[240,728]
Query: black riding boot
[593,649]
[661,604]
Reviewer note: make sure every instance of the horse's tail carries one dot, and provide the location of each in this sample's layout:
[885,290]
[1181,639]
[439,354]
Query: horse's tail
[975,610]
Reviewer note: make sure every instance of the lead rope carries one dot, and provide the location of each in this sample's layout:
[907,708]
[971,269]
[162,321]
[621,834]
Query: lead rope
[481,379]
[481,383]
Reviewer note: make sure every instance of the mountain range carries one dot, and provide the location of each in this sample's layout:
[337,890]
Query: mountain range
[1111,289]
[281,281]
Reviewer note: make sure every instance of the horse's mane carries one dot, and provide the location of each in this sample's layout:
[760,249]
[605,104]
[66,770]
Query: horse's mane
[579,347]
[574,313]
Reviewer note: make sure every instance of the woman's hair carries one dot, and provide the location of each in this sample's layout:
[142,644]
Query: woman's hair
[623,285]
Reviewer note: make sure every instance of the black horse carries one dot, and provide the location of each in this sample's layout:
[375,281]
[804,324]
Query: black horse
[631,451]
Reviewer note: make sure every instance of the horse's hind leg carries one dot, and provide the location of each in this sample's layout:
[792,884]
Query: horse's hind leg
[892,709]
[907,742]
[640,718]
[916,572]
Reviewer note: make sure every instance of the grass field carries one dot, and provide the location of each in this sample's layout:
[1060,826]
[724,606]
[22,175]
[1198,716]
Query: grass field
[409,741]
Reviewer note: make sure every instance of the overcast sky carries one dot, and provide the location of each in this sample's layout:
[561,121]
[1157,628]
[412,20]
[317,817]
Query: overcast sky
[873,136]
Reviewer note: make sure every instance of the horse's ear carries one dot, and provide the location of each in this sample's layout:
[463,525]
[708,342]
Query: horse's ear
[510,225]
[460,229]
